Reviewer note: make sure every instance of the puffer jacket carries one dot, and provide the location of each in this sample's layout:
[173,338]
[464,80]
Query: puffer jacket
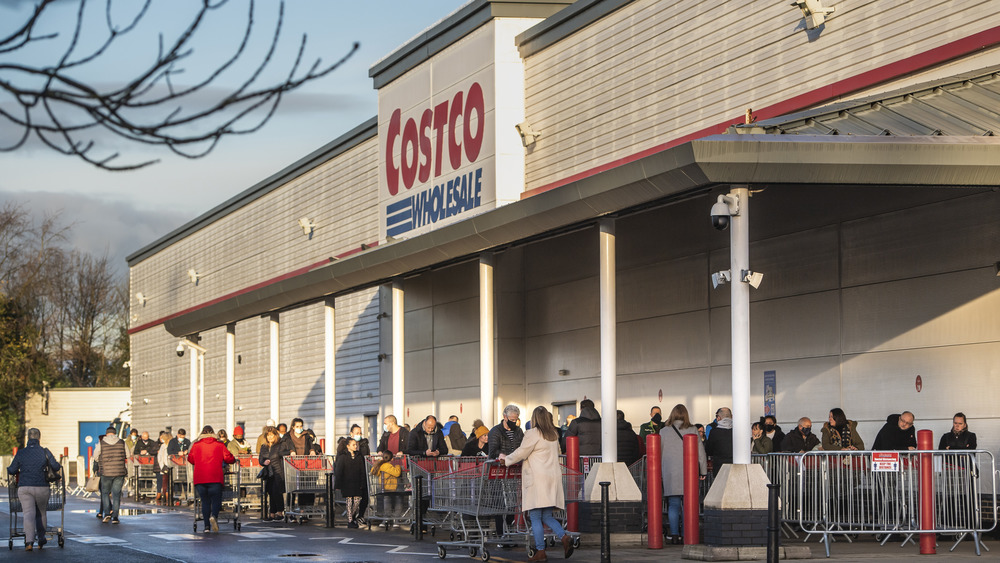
[587,427]
[110,456]
[29,465]
[628,443]
[209,457]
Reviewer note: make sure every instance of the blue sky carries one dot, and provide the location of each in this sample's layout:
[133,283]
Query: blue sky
[119,213]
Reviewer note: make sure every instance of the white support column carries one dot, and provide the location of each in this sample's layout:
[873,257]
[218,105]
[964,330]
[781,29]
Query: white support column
[275,366]
[230,378]
[609,367]
[486,338]
[740,312]
[398,354]
[201,393]
[329,373]
[194,429]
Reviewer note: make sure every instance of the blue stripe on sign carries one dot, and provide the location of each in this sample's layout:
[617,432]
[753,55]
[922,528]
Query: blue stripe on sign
[396,206]
[400,229]
[401,216]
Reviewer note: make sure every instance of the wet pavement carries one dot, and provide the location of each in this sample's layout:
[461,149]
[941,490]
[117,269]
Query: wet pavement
[153,534]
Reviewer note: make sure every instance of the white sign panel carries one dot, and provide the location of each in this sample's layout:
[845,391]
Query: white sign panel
[439,134]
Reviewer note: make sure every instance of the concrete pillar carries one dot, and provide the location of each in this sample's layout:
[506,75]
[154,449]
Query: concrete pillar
[201,393]
[609,367]
[275,368]
[230,378]
[740,314]
[398,353]
[329,372]
[486,338]
[193,362]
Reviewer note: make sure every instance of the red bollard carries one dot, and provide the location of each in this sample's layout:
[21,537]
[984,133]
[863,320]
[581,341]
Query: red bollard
[654,492]
[90,454]
[573,462]
[692,495]
[15,450]
[925,441]
[322,444]
[66,451]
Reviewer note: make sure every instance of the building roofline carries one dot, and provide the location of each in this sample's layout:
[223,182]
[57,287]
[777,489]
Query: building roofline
[565,23]
[334,148]
[454,27]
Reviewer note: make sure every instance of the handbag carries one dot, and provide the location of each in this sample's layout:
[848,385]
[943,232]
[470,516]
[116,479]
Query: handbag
[93,484]
[264,473]
[51,475]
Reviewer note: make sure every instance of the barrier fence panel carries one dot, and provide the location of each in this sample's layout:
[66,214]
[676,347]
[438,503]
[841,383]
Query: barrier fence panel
[864,492]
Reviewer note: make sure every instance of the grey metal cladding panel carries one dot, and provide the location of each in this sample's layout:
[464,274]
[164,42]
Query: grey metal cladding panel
[888,246]
[564,23]
[562,307]
[456,322]
[664,343]
[663,288]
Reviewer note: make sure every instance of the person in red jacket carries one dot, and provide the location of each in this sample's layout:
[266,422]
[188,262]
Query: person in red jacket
[209,457]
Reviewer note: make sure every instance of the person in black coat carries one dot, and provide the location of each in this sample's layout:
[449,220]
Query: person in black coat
[427,440]
[628,441]
[959,438]
[897,433]
[393,433]
[772,431]
[719,445]
[587,427]
[270,458]
[350,478]
[506,437]
[801,439]
[478,444]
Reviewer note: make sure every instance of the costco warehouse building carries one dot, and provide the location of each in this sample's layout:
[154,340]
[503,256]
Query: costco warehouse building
[450,255]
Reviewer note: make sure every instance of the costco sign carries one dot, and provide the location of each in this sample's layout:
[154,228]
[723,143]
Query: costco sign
[430,161]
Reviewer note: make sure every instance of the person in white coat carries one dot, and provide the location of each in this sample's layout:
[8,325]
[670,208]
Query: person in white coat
[678,424]
[541,480]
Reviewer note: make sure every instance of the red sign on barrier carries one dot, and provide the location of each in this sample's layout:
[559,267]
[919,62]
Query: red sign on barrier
[885,461]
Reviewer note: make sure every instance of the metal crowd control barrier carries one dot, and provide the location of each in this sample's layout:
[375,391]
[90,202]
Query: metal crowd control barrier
[865,492]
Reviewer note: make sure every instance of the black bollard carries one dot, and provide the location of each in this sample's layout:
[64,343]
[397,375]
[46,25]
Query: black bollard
[773,523]
[330,505]
[264,501]
[169,485]
[418,510]
[605,524]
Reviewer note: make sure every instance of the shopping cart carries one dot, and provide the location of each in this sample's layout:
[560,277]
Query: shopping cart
[305,477]
[483,492]
[180,477]
[144,477]
[57,501]
[427,468]
[250,489]
[388,496]
[231,507]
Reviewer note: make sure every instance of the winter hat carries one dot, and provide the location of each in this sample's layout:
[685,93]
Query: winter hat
[480,431]
[238,432]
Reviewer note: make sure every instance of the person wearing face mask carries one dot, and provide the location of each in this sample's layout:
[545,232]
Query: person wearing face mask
[394,437]
[297,441]
[772,431]
[801,439]
[363,447]
[654,425]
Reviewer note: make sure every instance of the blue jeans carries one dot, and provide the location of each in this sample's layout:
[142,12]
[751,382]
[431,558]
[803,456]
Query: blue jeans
[674,505]
[541,516]
[211,499]
[111,495]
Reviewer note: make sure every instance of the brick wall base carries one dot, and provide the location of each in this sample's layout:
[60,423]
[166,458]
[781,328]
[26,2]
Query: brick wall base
[735,527]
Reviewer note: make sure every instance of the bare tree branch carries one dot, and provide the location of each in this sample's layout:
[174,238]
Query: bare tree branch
[69,115]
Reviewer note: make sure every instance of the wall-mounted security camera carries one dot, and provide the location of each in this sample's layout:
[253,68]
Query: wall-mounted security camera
[723,210]
[180,350]
[528,135]
[127,364]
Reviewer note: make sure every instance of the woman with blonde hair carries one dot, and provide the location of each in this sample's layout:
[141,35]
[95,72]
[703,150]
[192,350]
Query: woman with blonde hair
[678,424]
[541,480]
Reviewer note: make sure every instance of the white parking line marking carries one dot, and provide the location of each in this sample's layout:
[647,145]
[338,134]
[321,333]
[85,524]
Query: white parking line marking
[177,537]
[96,539]
[262,535]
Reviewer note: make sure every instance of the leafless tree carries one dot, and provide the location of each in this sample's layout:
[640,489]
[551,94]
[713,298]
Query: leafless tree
[52,103]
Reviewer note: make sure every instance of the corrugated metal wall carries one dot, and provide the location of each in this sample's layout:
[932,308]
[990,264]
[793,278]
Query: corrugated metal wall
[654,71]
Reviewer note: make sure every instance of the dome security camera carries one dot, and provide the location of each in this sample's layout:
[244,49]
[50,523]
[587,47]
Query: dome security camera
[723,210]
[180,350]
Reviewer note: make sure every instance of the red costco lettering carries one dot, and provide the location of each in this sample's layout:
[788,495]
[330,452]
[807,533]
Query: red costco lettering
[417,151]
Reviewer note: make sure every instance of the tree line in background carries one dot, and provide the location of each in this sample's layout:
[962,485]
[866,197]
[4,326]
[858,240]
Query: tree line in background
[63,317]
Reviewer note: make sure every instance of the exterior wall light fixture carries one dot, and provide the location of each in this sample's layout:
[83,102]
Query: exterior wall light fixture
[141,299]
[813,11]
[528,135]
[307,226]
[193,276]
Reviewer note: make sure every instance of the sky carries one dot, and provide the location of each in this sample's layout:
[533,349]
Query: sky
[120,212]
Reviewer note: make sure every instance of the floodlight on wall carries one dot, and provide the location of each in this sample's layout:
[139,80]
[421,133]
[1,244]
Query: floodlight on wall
[528,135]
[752,278]
[382,356]
[127,365]
[145,401]
[720,278]
[813,11]
[193,276]
[141,299]
[307,225]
